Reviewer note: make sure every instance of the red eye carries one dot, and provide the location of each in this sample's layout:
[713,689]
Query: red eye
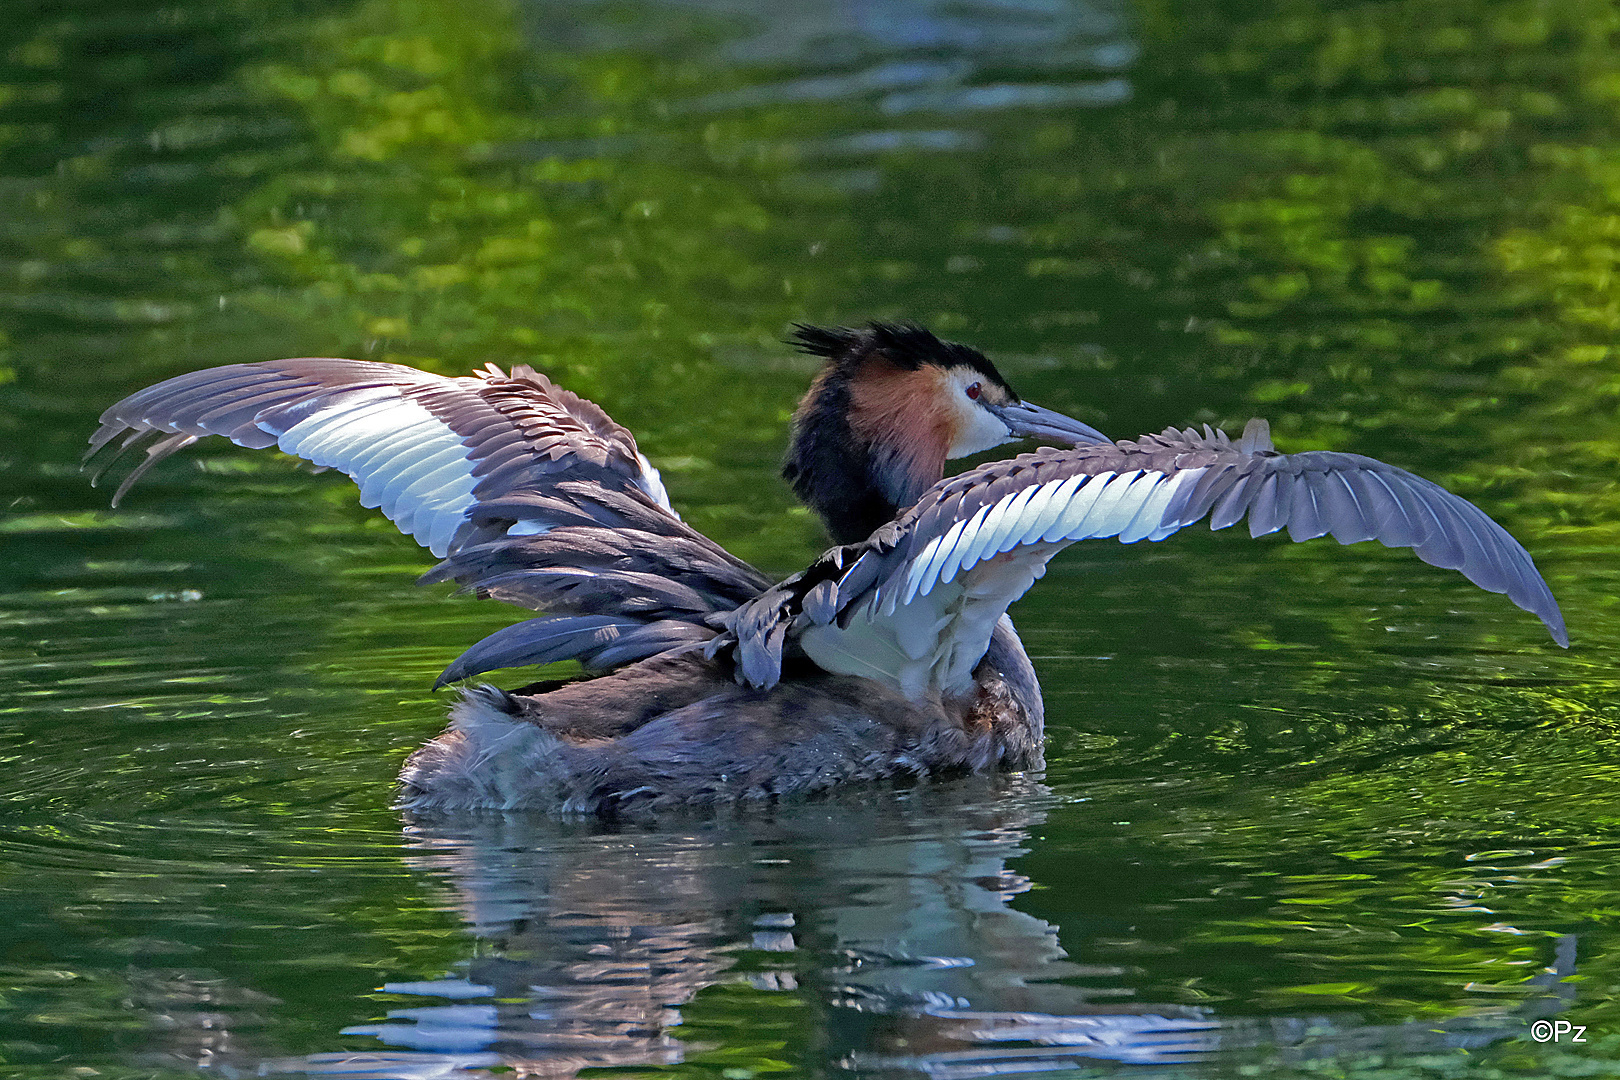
[973,391]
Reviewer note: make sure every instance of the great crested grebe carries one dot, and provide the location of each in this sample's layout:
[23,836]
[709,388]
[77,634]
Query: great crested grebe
[891,655]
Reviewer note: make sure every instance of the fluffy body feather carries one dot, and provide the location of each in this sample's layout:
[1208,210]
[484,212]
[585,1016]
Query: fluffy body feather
[679,731]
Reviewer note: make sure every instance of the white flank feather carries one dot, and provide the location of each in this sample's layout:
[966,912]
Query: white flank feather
[916,628]
[992,586]
[862,648]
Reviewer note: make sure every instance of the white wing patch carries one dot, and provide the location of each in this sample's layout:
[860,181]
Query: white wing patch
[406,461]
[1128,505]
[928,629]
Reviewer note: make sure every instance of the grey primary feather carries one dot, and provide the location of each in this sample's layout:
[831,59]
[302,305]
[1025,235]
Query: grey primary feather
[666,636]
[1312,494]
[821,603]
[534,641]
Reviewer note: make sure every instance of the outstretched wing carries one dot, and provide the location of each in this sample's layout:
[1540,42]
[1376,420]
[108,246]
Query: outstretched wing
[424,448]
[528,492]
[914,605]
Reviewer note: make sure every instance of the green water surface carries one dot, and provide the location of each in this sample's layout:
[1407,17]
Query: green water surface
[1310,810]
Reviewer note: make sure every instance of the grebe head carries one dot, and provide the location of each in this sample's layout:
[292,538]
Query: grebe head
[892,405]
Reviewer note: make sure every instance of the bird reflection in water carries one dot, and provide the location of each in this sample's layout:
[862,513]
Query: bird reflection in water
[887,923]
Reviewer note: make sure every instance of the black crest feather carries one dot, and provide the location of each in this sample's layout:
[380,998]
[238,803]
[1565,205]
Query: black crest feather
[904,344]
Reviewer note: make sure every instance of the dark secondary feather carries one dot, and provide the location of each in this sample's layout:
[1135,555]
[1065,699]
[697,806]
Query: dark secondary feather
[535,495]
[1037,503]
[599,642]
